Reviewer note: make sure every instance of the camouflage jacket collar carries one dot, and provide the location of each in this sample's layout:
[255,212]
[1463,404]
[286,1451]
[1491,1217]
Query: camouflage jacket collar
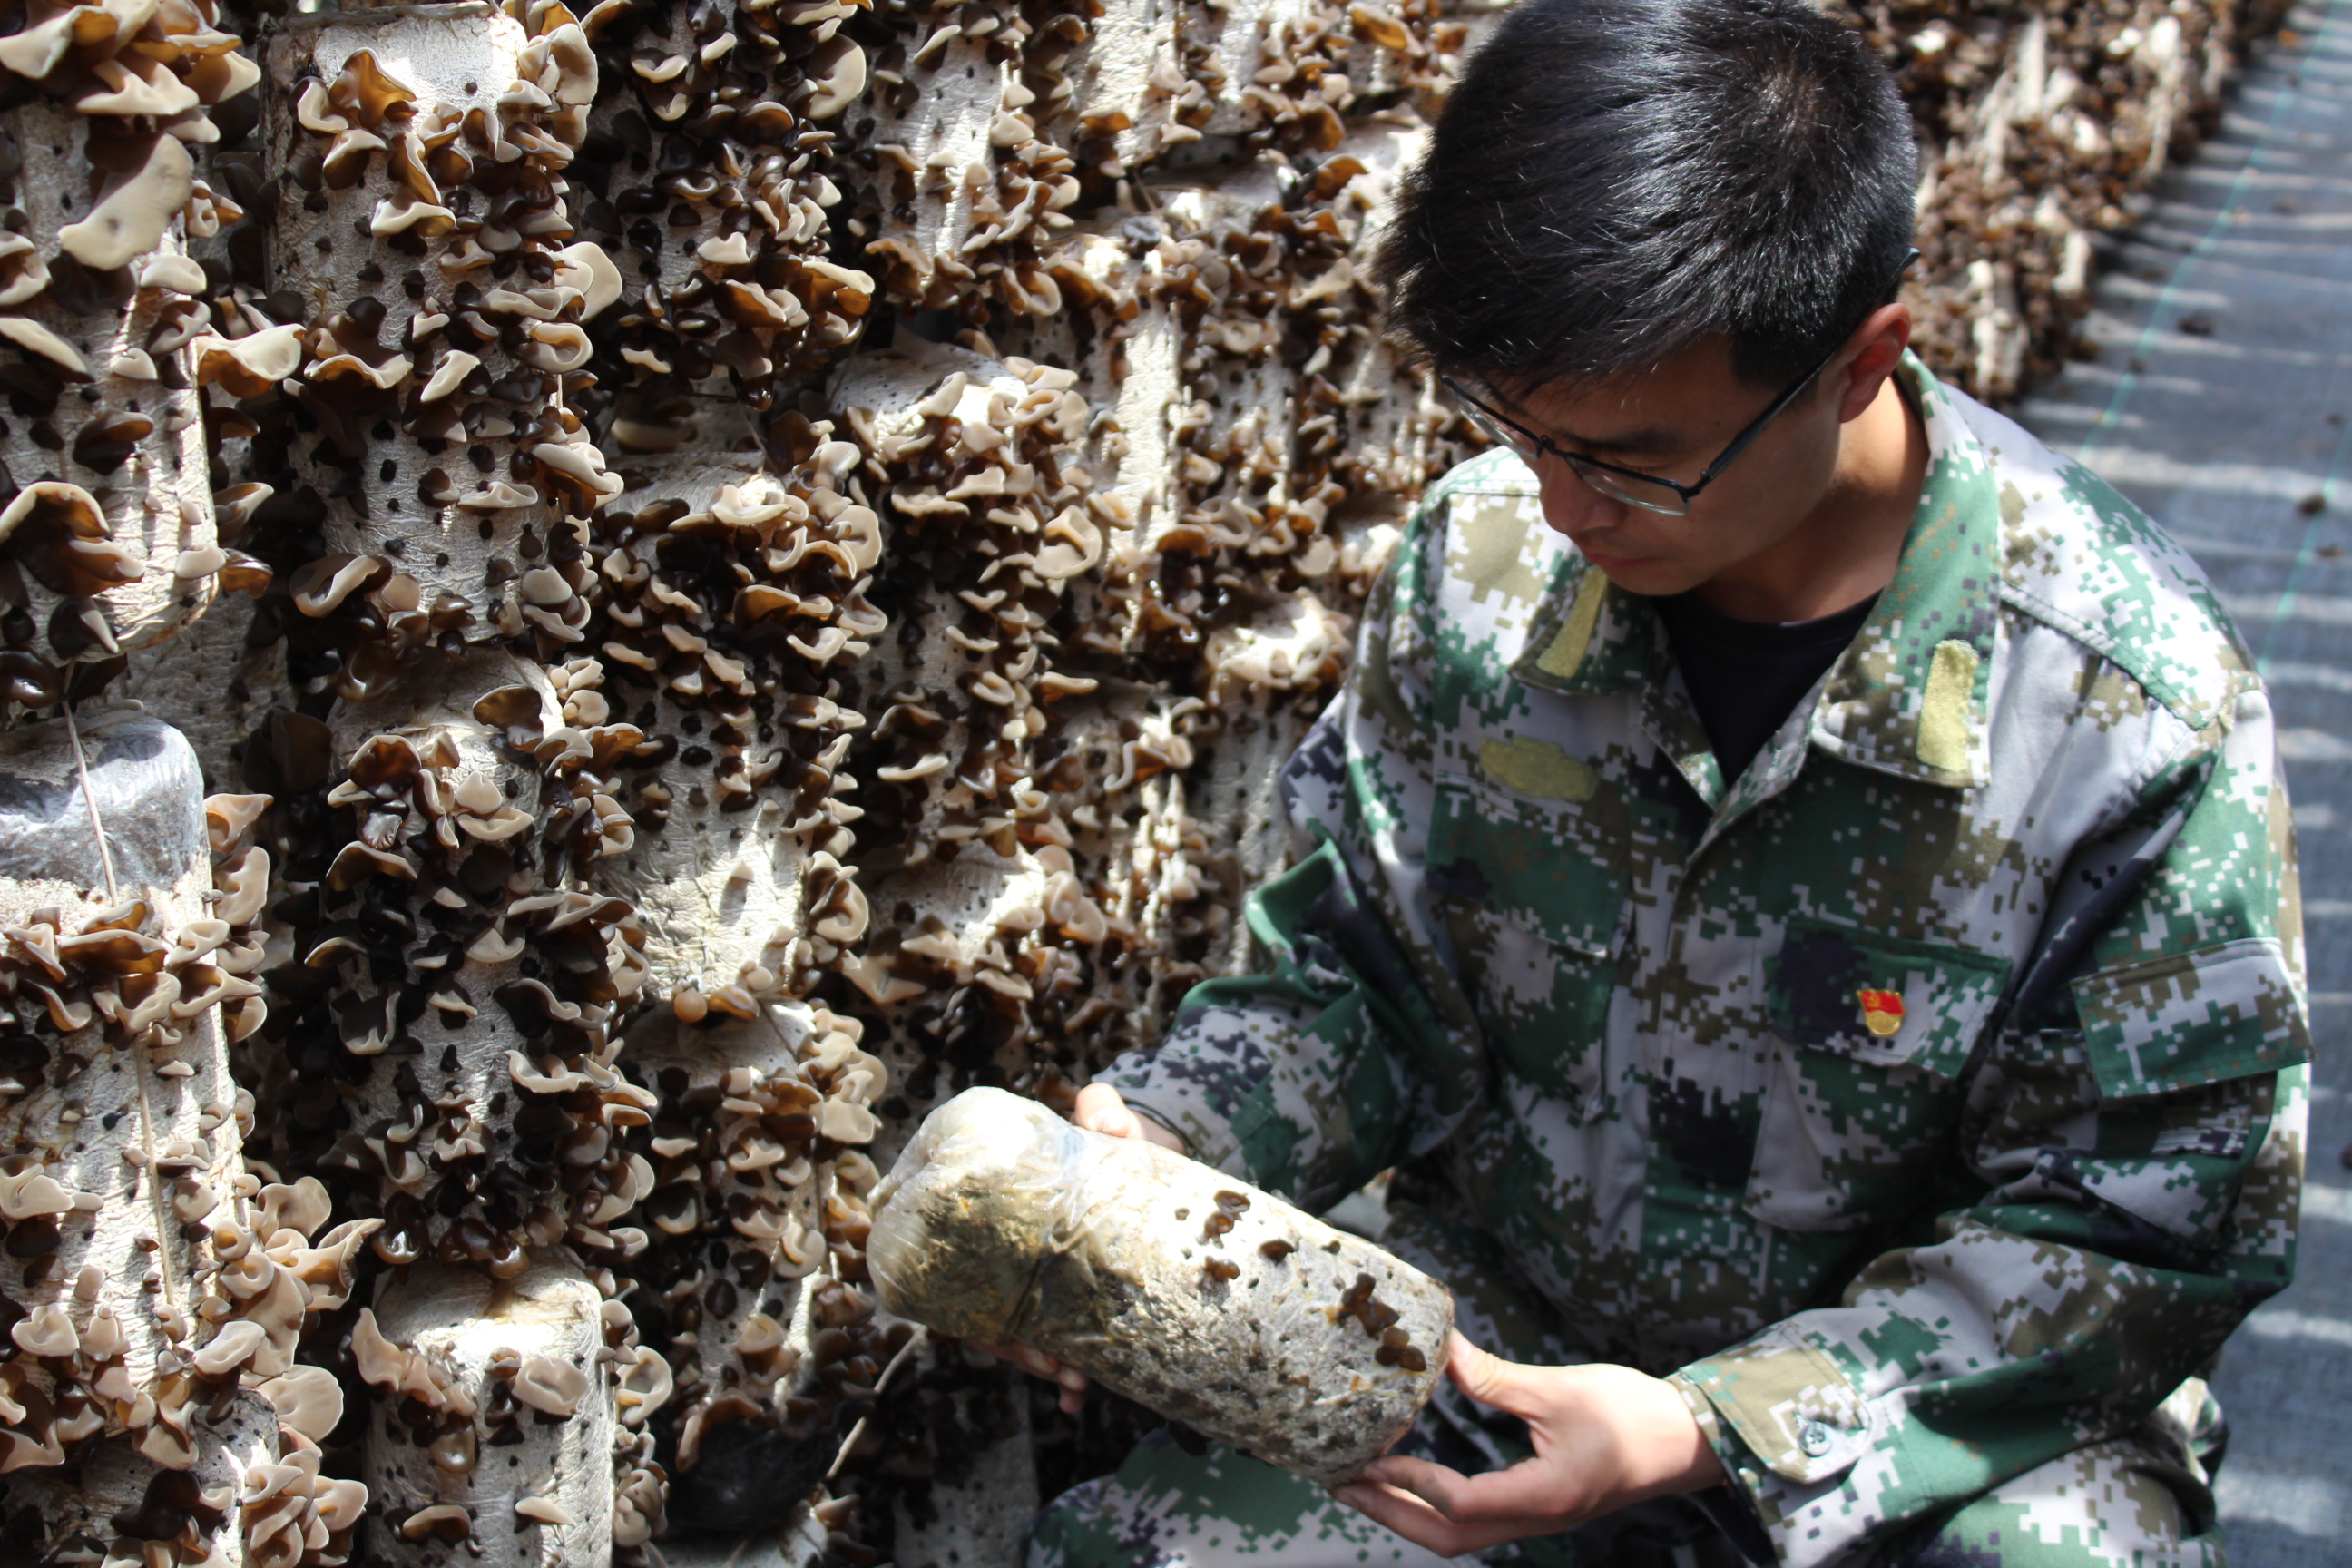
[1907,698]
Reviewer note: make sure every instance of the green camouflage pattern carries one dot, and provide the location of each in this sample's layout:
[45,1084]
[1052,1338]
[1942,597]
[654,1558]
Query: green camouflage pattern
[2123,1503]
[1539,955]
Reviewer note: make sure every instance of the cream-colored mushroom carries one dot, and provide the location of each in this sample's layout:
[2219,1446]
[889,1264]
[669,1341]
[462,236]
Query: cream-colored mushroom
[377,1359]
[129,217]
[548,1385]
[307,1398]
[29,334]
[46,1331]
[231,1348]
[250,366]
[31,1194]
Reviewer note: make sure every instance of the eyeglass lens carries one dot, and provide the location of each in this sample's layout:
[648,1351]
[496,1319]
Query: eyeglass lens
[1632,491]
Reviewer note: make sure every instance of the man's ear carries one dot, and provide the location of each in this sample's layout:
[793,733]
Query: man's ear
[1871,355]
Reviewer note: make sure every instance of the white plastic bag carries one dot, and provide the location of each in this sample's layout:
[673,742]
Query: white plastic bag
[1211,1302]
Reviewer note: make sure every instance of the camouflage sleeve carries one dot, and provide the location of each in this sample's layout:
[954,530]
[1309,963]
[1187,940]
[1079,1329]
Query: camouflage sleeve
[2133,1152]
[1355,1048]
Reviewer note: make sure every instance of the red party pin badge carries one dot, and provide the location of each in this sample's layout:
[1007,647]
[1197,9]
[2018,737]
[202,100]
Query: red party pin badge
[1881,1012]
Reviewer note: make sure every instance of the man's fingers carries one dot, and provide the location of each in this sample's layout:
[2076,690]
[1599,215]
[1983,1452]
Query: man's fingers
[1528,1490]
[1034,1362]
[1069,1382]
[1037,1363]
[1407,1515]
[1431,1484]
[1100,1110]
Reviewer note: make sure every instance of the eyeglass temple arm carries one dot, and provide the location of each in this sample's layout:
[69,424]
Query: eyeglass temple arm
[1749,435]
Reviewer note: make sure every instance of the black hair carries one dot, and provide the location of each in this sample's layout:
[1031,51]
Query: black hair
[1613,180]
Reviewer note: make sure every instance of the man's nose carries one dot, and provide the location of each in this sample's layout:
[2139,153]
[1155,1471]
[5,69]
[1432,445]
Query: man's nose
[1571,506]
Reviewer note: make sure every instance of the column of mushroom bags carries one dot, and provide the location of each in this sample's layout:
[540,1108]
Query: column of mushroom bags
[153,1287]
[442,687]
[394,330]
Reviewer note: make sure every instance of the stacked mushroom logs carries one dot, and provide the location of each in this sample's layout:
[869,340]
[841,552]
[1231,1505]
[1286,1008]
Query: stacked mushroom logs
[508,1140]
[1205,558]
[757,1223]
[494,1150]
[727,600]
[446,1011]
[107,537]
[438,831]
[151,1278]
[706,178]
[2042,127]
[993,516]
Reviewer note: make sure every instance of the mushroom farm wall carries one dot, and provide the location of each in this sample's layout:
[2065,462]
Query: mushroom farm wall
[600,607]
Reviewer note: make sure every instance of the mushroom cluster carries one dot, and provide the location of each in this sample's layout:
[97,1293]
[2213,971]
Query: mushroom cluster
[423,390]
[156,1286]
[731,569]
[1161,569]
[707,170]
[107,534]
[507,1419]
[727,602]
[756,1213]
[966,209]
[451,976]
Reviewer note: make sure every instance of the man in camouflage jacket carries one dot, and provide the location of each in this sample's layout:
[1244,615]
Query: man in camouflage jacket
[1923,1103]
[1930,1105]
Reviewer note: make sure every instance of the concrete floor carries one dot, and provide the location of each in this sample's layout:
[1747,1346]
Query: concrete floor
[2221,401]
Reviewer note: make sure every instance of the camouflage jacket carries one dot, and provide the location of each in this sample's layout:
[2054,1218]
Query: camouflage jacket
[1928,1100]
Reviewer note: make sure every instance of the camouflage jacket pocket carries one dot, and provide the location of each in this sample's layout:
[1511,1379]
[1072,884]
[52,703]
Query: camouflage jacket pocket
[1531,902]
[2218,1013]
[1875,1035]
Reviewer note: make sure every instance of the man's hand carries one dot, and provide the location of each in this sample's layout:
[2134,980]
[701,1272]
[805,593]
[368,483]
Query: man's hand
[1072,1384]
[1604,1437]
[1099,1109]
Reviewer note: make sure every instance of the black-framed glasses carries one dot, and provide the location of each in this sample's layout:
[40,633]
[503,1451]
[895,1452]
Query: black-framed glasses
[1647,491]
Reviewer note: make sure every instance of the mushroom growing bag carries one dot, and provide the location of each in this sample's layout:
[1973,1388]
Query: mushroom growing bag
[1208,1300]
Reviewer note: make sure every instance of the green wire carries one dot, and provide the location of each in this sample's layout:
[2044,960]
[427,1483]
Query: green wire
[2304,554]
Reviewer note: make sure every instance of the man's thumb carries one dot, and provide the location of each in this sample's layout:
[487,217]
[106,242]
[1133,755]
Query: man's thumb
[1100,1110]
[1488,1379]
